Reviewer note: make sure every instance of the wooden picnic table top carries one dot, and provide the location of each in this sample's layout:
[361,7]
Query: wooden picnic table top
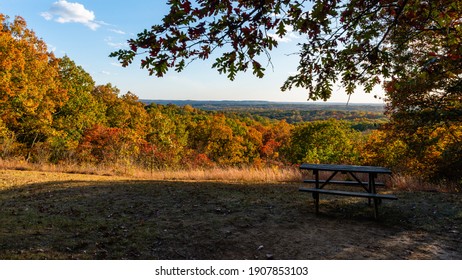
[346,168]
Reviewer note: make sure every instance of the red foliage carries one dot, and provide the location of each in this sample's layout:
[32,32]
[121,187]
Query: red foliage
[269,148]
[100,144]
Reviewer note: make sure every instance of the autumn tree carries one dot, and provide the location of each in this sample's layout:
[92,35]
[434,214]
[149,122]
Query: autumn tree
[166,137]
[275,138]
[108,95]
[424,92]
[125,111]
[101,144]
[137,116]
[30,91]
[425,87]
[379,148]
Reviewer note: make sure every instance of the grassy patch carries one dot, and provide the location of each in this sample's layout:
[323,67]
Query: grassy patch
[70,216]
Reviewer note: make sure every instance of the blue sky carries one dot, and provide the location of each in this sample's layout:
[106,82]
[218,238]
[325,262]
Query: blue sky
[88,31]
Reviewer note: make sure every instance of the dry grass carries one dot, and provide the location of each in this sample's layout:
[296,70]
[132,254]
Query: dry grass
[228,174]
[410,183]
[10,179]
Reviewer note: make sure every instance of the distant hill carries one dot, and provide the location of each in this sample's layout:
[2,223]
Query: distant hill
[256,105]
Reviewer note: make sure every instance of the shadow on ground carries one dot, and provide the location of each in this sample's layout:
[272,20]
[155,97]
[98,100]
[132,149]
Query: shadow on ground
[204,220]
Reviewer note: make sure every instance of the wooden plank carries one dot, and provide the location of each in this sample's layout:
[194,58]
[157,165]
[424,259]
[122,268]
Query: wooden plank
[345,193]
[346,168]
[347,183]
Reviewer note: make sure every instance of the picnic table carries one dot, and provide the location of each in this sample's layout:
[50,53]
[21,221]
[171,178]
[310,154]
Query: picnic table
[369,186]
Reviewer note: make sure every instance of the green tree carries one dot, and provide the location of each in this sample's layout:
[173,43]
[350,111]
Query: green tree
[328,141]
[80,112]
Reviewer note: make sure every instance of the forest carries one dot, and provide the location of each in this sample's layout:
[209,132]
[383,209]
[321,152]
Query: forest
[51,111]
[370,114]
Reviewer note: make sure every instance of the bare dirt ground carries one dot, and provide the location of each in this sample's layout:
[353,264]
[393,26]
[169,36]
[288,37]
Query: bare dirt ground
[70,216]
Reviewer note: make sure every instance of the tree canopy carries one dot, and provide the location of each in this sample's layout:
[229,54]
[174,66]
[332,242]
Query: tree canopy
[354,42]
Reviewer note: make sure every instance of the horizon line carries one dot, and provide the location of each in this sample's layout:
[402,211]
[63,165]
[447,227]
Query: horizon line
[264,101]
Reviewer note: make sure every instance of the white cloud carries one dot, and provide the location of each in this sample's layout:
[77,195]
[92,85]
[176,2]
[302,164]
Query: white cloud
[117,31]
[116,45]
[47,15]
[288,37]
[66,12]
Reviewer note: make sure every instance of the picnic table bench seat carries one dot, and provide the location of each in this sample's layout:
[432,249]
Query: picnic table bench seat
[347,193]
[347,183]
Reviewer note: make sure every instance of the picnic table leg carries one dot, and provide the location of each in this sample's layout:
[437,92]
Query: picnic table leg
[316,202]
[369,187]
[373,190]
[316,195]
[376,209]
